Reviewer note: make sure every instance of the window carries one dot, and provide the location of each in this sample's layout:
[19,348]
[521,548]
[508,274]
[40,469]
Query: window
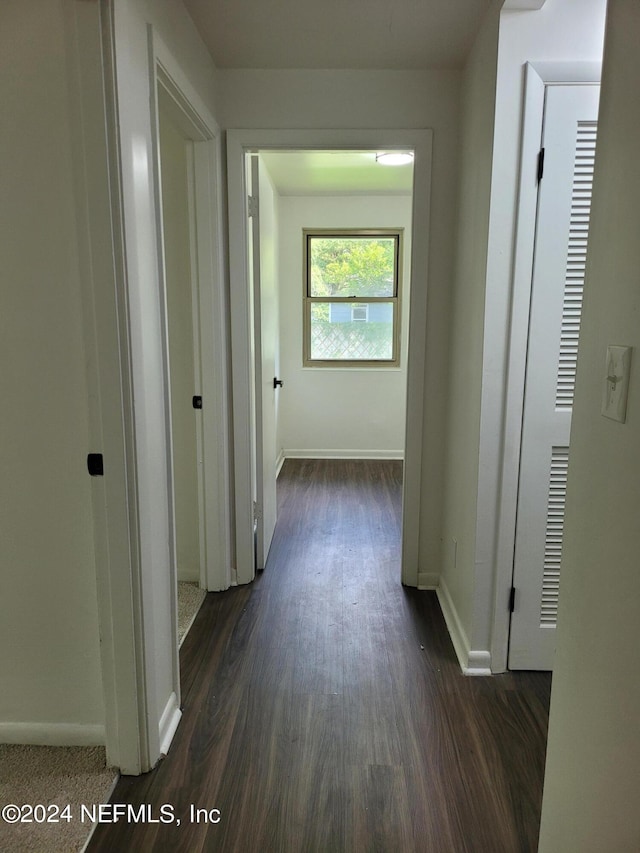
[352,297]
[359,313]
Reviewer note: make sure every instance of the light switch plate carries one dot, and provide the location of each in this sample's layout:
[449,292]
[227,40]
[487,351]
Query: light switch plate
[616,383]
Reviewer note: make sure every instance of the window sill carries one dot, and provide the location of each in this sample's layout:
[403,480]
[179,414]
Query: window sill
[391,368]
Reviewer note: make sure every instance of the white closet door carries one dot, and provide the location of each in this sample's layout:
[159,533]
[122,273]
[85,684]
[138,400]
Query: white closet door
[564,202]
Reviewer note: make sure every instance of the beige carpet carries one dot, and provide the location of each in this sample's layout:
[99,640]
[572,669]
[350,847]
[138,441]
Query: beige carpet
[54,777]
[190,598]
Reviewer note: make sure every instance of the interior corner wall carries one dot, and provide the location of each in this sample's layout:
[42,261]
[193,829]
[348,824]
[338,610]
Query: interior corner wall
[325,412]
[590,800]
[172,24]
[465,348]
[50,667]
[381,99]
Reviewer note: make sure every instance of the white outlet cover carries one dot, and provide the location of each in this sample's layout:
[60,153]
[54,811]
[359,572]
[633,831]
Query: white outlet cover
[616,383]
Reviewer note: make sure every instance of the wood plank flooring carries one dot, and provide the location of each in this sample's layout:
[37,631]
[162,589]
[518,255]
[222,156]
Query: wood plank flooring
[324,708]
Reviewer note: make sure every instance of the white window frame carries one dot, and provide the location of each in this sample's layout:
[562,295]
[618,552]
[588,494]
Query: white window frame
[308,300]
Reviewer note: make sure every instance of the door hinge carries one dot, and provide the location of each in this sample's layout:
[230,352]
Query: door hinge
[196,402]
[512,599]
[252,205]
[540,164]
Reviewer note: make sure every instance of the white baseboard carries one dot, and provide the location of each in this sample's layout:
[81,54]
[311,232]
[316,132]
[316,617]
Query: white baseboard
[169,723]
[343,454]
[53,734]
[428,580]
[472,661]
[479,663]
[280,462]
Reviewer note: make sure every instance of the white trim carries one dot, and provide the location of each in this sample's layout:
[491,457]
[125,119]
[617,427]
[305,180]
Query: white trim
[198,125]
[343,454]
[53,734]
[537,76]
[238,143]
[280,462]
[96,156]
[428,580]
[154,83]
[128,638]
[169,723]
[472,661]
[478,663]
[523,5]
[565,73]
[455,627]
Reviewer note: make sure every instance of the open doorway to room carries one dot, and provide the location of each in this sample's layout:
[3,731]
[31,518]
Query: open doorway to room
[184,380]
[176,168]
[327,304]
[187,211]
[330,260]
[334,229]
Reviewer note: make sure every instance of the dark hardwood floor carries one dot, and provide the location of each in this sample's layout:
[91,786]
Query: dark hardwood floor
[324,708]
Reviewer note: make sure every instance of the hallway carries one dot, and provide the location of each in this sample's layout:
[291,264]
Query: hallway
[325,710]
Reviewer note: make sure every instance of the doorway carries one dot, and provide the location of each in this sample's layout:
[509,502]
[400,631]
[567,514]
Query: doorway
[193,321]
[327,228]
[177,184]
[245,310]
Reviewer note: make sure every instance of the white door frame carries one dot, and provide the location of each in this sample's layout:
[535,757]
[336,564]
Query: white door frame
[90,35]
[239,142]
[139,723]
[538,75]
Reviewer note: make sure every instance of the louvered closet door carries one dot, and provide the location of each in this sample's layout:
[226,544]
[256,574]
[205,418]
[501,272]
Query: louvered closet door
[564,203]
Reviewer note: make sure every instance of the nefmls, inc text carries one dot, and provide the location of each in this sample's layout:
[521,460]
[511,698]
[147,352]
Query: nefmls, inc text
[145,813]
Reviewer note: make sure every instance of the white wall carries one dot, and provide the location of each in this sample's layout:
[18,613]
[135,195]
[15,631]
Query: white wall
[592,779]
[346,411]
[465,348]
[380,99]
[50,663]
[177,248]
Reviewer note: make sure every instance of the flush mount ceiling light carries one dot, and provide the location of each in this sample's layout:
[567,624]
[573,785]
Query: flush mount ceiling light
[394,158]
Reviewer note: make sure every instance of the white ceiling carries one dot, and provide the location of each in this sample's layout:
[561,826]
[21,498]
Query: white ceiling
[353,34]
[335,173]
